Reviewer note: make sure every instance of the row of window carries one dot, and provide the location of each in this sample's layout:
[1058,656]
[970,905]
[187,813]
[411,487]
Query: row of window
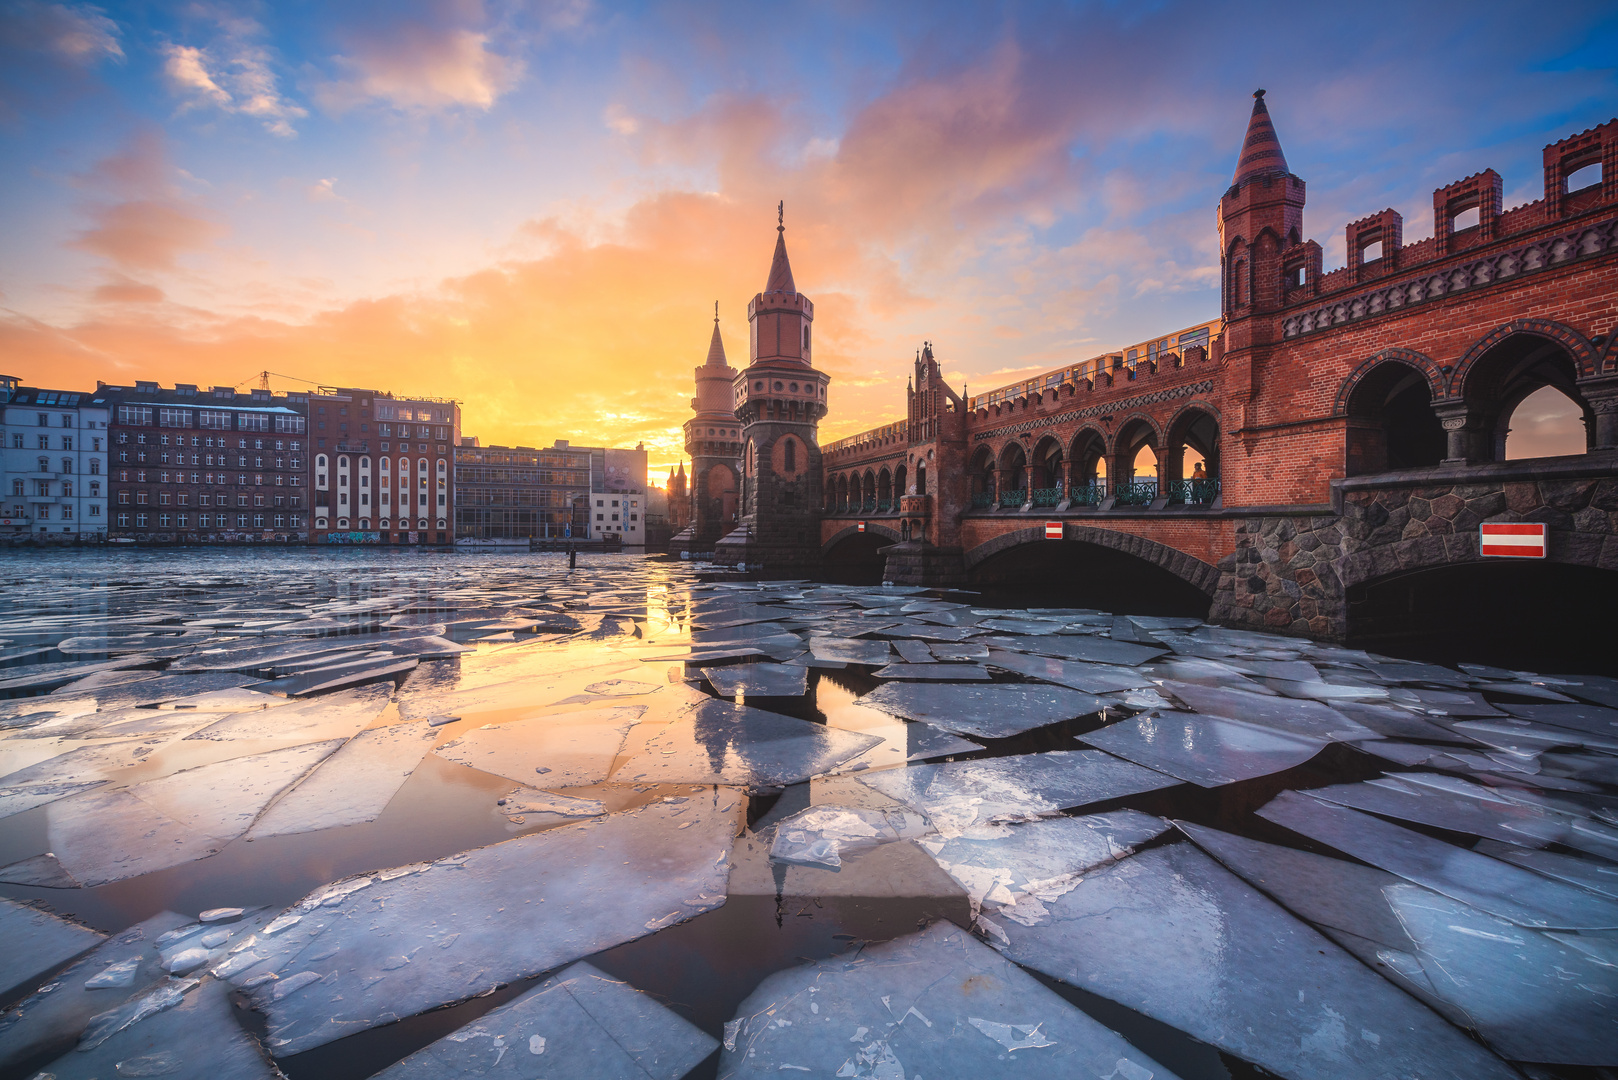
[404,500]
[207,459]
[295,445]
[43,442]
[144,476]
[42,512]
[67,465]
[210,419]
[142,498]
[207,521]
[42,488]
[365,523]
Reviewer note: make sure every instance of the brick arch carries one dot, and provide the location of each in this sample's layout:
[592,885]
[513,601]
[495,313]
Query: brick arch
[1123,425]
[853,530]
[1078,436]
[1609,355]
[1195,405]
[1586,357]
[1193,571]
[1407,556]
[1437,383]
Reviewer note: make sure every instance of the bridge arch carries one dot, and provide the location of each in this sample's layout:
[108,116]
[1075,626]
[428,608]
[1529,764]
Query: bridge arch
[1388,402]
[1511,363]
[1046,463]
[1013,466]
[1120,567]
[1137,432]
[852,557]
[1088,453]
[1585,356]
[1437,381]
[1194,427]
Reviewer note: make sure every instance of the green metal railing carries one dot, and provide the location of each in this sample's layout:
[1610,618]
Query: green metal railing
[868,506]
[1047,496]
[983,500]
[884,505]
[1135,492]
[1015,497]
[1194,492]
[1089,494]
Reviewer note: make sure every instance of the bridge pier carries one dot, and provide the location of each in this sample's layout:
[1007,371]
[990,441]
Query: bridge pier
[916,562]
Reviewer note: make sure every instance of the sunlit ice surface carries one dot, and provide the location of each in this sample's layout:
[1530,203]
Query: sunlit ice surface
[427,814]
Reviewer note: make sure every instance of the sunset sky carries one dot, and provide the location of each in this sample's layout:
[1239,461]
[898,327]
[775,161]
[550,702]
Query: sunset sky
[533,207]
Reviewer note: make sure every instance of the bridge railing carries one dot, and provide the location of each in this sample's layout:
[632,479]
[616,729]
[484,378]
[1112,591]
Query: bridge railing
[1048,496]
[1194,492]
[1089,494]
[1014,497]
[1135,492]
[982,500]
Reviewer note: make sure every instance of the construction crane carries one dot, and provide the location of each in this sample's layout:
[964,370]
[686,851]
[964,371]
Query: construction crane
[263,378]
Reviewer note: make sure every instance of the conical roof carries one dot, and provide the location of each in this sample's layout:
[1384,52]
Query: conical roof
[1261,150]
[780,268]
[716,348]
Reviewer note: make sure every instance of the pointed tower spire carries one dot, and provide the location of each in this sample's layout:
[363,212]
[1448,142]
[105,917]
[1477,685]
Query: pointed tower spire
[780,268]
[1261,150]
[716,347]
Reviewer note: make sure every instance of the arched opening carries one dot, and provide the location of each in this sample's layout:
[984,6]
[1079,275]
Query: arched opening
[1191,461]
[884,491]
[1391,423]
[1046,475]
[921,479]
[721,496]
[1072,573]
[868,493]
[1136,464]
[857,559]
[1546,423]
[1492,612]
[1013,475]
[898,485]
[1088,485]
[980,473]
[1501,381]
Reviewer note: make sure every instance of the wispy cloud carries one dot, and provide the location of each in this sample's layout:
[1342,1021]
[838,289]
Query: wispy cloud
[413,66]
[140,220]
[234,73]
[78,33]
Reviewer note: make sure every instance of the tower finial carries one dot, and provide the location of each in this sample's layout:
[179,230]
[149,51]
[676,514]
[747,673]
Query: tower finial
[1258,93]
[781,216]
[716,313]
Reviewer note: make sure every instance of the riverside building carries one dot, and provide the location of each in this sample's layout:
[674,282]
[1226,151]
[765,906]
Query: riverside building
[381,467]
[55,457]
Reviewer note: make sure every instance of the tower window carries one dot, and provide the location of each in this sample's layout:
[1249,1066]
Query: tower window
[790,455]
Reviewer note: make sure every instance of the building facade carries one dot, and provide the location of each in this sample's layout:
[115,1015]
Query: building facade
[56,484]
[206,466]
[520,492]
[713,442]
[381,470]
[619,496]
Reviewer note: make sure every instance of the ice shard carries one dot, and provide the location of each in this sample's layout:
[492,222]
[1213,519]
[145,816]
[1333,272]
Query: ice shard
[340,715]
[373,949]
[720,743]
[988,712]
[565,749]
[354,785]
[1172,934]
[758,680]
[1091,678]
[1086,647]
[36,941]
[1209,751]
[1295,716]
[937,1003]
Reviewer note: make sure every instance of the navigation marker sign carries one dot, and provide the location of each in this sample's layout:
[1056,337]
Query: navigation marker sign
[1513,540]
[1053,530]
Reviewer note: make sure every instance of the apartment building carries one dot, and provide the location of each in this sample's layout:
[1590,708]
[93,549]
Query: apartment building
[55,452]
[382,467]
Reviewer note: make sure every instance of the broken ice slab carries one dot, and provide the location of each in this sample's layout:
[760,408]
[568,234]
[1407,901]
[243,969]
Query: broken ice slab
[49,676]
[948,651]
[1171,933]
[157,687]
[197,1037]
[958,795]
[354,785]
[717,742]
[1528,738]
[580,1023]
[1095,650]
[1325,691]
[1205,672]
[933,672]
[822,834]
[1015,869]
[43,871]
[1597,875]
[945,634]
[1209,751]
[990,712]
[937,1003]
[1595,719]
[1299,717]
[758,680]
[336,716]
[568,749]
[337,677]
[923,741]
[1596,689]
[518,805]
[1401,671]
[1499,888]
[850,650]
[36,941]
[912,651]
[373,949]
[1531,996]
[1091,678]
[701,657]
[1398,723]
[1448,802]
[64,774]
[103,836]
[124,966]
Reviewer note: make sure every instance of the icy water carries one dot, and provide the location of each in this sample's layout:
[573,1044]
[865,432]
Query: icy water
[346,814]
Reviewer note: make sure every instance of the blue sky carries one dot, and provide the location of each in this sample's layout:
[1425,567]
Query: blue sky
[532,207]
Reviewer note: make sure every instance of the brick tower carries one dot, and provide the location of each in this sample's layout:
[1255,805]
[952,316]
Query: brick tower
[713,441]
[779,400]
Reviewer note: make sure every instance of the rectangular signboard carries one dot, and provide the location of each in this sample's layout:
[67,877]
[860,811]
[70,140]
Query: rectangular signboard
[1513,540]
[862,526]
[1053,530]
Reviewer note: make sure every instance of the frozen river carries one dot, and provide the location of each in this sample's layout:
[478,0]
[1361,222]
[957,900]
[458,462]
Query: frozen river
[343,814]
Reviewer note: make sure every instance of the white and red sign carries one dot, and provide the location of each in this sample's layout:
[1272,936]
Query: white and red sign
[862,526]
[1053,530]
[1513,540]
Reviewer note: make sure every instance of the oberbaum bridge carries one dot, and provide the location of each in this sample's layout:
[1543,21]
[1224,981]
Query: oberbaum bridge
[1345,429]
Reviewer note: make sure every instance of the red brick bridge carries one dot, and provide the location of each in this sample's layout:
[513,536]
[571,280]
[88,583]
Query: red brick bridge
[1328,434]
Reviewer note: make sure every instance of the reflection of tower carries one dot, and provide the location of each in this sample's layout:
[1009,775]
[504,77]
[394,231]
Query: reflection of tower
[779,400]
[713,440]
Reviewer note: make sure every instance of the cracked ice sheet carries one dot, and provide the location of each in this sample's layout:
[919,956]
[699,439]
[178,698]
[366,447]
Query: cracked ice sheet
[1597,875]
[1532,997]
[934,1003]
[959,795]
[127,965]
[354,785]
[990,712]
[717,742]
[374,949]
[335,716]
[63,775]
[1499,888]
[1091,678]
[1209,751]
[107,836]
[557,750]
[1086,647]
[36,941]
[758,680]
[850,650]
[1171,933]
[196,1039]
[1014,869]
[1293,715]
[581,1024]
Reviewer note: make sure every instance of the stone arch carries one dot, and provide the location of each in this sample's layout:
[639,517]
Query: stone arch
[1391,421]
[1586,357]
[1504,368]
[872,528]
[1204,577]
[1437,381]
